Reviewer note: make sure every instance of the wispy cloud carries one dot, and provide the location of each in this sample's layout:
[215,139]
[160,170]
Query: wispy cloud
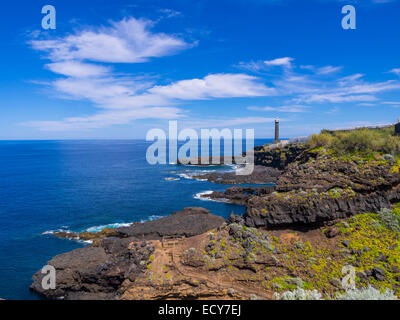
[391,102]
[105,119]
[124,98]
[366,104]
[85,62]
[309,84]
[328,70]
[283,62]
[77,69]
[215,86]
[335,98]
[395,71]
[169,13]
[256,66]
[394,104]
[322,70]
[218,123]
[127,41]
[288,109]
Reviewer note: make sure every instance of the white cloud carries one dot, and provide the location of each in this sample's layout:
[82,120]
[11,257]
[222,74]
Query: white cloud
[289,109]
[365,104]
[391,103]
[372,87]
[285,62]
[169,13]
[77,69]
[336,98]
[123,93]
[322,70]
[107,92]
[83,61]
[348,89]
[328,70]
[253,66]
[218,123]
[124,98]
[127,41]
[321,86]
[395,71]
[215,86]
[105,119]
[382,1]
[345,81]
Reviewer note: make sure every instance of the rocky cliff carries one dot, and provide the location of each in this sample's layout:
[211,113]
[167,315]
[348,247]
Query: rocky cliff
[280,157]
[232,261]
[318,186]
[193,254]
[98,271]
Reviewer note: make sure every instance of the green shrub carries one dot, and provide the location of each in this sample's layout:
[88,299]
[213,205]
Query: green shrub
[390,219]
[320,140]
[298,294]
[369,293]
[359,141]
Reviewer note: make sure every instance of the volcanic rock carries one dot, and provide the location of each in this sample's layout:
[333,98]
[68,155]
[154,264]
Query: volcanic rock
[98,271]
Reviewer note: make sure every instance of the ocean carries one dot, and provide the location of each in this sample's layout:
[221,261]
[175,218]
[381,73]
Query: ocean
[83,185]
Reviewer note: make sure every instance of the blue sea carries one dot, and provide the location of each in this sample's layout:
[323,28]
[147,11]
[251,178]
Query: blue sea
[83,185]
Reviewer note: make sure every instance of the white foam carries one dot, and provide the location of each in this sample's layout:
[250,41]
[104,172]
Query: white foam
[171,179]
[185,176]
[200,196]
[84,241]
[96,229]
[151,218]
[190,175]
[62,229]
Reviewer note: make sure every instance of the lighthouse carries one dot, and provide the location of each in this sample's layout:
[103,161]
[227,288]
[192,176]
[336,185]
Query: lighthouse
[276,130]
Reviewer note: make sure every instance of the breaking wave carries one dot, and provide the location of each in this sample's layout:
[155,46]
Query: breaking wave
[200,196]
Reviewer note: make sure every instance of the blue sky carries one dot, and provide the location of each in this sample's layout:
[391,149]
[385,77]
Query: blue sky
[115,69]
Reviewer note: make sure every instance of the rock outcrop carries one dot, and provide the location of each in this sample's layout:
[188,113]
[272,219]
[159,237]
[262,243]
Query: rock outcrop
[260,175]
[98,271]
[239,195]
[279,157]
[185,223]
[322,187]
[95,272]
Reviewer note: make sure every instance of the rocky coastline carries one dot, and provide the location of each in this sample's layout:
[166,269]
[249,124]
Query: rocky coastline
[315,187]
[116,255]
[193,254]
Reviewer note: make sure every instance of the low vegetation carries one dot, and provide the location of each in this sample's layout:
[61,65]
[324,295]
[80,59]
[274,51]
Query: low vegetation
[299,294]
[390,218]
[363,141]
[369,293]
[367,242]
[299,269]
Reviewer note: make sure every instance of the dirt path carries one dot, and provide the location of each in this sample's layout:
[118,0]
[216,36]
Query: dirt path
[240,290]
